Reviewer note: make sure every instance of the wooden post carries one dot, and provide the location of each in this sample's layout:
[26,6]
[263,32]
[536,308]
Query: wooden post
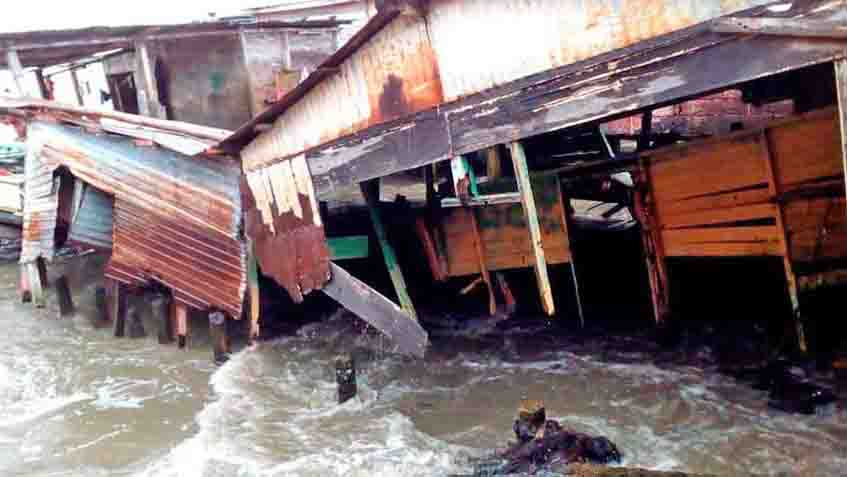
[774,189]
[493,164]
[42,84]
[180,319]
[136,326]
[161,305]
[255,295]
[149,88]
[345,377]
[63,292]
[370,190]
[566,225]
[841,88]
[220,337]
[508,296]
[531,215]
[17,71]
[77,87]
[24,290]
[651,238]
[101,303]
[41,264]
[36,285]
[117,307]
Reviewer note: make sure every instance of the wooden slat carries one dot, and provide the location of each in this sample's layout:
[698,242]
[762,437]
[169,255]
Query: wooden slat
[719,216]
[764,233]
[728,249]
[731,199]
[806,151]
[841,89]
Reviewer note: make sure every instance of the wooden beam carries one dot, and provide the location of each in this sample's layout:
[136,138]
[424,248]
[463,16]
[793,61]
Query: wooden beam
[841,88]
[43,90]
[255,295]
[117,306]
[37,284]
[63,292]
[17,70]
[383,314]
[77,88]
[464,179]
[371,192]
[774,189]
[149,87]
[531,215]
[654,248]
[493,164]
[799,27]
[24,288]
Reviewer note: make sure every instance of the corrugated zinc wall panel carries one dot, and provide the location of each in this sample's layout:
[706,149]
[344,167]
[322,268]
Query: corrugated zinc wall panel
[91,224]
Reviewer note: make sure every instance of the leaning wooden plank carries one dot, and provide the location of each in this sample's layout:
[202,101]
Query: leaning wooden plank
[799,27]
[380,312]
[255,295]
[371,192]
[841,87]
[531,214]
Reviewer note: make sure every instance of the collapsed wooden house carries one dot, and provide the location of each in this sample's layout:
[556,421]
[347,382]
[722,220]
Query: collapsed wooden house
[452,80]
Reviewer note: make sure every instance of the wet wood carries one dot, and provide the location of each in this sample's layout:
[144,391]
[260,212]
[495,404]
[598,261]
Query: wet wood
[799,27]
[483,267]
[117,306]
[531,215]
[506,291]
[180,319]
[255,295]
[439,273]
[774,187]
[160,308]
[493,162]
[471,286]
[841,88]
[345,377]
[63,293]
[24,288]
[220,337]
[13,62]
[101,304]
[590,470]
[370,190]
[36,285]
[651,238]
[77,87]
[134,322]
[380,312]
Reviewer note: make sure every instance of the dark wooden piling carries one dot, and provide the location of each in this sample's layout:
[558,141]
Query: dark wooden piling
[219,335]
[136,326]
[24,288]
[117,307]
[345,377]
[63,292]
[101,303]
[160,308]
[180,322]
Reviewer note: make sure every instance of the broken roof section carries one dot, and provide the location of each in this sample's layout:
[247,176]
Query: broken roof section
[176,217]
[53,47]
[425,82]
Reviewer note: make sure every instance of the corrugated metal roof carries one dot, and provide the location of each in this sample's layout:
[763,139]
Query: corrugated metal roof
[177,219]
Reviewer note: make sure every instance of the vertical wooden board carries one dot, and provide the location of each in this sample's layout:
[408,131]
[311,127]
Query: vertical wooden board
[806,151]
[841,92]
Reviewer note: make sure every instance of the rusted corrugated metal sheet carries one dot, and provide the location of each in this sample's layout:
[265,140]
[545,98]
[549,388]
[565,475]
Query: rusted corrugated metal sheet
[177,219]
[41,202]
[283,220]
[449,49]
[91,222]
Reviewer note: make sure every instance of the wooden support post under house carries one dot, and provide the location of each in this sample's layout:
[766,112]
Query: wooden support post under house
[255,295]
[220,337]
[464,181]
[774,189]
[160,307]
[17,70]
[117,307]
[531,215]
[77,87]
[24,288]
[345,377]
[136,326]
[651,238]
[574,277]
[41,264]
[63,292]
[439,272]
[370,190]
[506,291]
[180,320]
[36,284]
[43,89]
[493,164]
[101,304]
[841,88]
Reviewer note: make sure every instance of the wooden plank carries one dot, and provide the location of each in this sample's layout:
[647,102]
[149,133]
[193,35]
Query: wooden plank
[739,198]
[761,233]
[719,216]
[348,248]
[727,249]
[574,275]
[371,192]
[17,70]
[774,187]
[37,285]
[63,292]
[531,215]
[493,163]
[149,86]
[117,307]
[807,152]
[255,296]
[180,318]
[382,313]
[77,87]
[644,209]
[799,27]
[841,87]
[464,179]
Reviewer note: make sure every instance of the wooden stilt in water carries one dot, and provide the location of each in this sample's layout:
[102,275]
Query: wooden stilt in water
[101,303]
[345,377]
[42,272]
[219,335]
[651,239]
[774,188]
[531,214]
[370,190]
[25,290]
[36,285]
[117,307]
[136,326]
[255,297]
[508,297]
[841,88]
[181,324]
[566,225]
[161,306]
[63,292]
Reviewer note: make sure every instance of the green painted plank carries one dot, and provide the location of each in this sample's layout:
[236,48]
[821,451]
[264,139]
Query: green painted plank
[348,248]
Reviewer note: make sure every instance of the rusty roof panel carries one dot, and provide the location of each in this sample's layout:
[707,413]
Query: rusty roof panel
[91,223]
[41,201]
[392,75]
[283,220]
[177,219]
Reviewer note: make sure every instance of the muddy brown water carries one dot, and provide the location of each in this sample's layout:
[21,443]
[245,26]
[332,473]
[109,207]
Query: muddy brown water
[75,401]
